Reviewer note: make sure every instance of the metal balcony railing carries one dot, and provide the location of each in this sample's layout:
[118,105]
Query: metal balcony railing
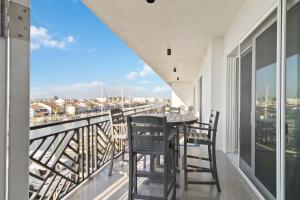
[65,154]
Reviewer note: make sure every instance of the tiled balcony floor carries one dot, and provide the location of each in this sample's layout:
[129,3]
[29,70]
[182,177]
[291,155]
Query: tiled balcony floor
[102,187]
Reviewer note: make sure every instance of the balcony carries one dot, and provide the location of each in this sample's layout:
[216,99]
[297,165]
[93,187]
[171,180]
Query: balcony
[240,57]
[69,160]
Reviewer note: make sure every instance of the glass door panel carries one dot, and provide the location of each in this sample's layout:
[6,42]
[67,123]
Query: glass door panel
[292,108]
[245,108]
[265,108]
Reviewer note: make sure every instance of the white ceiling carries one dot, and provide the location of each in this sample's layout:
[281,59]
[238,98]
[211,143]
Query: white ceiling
[185,26]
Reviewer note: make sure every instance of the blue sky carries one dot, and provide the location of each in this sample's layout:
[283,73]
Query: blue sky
[74,55]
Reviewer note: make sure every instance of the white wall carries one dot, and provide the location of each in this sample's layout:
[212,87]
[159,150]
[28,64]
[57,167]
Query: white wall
[213,85]
[249,16]
[205,72]
[218,88]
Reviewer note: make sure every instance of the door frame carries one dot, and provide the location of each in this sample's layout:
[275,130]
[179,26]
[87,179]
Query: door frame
[3,116]
[232,107]
[200,84]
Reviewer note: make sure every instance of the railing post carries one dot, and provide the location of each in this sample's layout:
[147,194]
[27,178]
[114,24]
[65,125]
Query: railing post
[88,146]
[18,98]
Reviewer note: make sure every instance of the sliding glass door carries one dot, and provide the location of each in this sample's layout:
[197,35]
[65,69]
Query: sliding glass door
[258,106]
[292,108]
[263,113]
[265,107]
[245,109]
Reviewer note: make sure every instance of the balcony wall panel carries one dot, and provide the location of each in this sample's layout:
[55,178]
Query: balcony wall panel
[218,88]
[205,72]
[213,73]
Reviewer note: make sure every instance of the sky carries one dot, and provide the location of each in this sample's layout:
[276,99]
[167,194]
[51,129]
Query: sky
[75,55]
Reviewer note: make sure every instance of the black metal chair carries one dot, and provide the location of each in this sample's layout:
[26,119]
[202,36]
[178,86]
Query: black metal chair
[119,134]
[150,135]
[177,110]
[197,136]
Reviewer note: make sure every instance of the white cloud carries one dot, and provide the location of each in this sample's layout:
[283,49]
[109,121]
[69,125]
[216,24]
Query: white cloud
[70,39]
[132,75]
[145,82]
[40,37]
[93,90]
[160,89]
[145,71]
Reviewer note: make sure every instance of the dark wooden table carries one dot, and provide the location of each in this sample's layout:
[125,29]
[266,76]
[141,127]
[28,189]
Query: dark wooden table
[182,120]
[179,120]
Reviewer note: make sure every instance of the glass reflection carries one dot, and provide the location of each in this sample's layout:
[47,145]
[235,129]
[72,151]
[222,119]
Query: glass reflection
[292,157]
[245,106]
[265,111]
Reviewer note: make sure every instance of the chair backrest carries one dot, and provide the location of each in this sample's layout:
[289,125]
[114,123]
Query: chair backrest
[213,124]
[147,134]
[191,110]
[116,116]
[175,110]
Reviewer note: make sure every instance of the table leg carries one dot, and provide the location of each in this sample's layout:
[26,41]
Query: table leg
[185,158]
[177,146]
[152,162]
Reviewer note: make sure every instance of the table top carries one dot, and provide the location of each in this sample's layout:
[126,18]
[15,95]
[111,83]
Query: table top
[177,119]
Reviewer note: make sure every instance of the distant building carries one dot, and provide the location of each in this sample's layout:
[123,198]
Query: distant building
[56,108]
[139,100]
[76,108]
[101,100]
[37,110]
[150,100]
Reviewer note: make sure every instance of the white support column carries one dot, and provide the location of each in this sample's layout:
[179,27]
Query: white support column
[2,116]
[18,85]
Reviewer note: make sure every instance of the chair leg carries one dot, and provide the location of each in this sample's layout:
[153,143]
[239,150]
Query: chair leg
[210,159]
[174,171]
[185,175]
[130,182]
[145,161]
[166,176]
[134,172]
[215,171]
[152,162]
[112,158]
[123,153]
[178,141]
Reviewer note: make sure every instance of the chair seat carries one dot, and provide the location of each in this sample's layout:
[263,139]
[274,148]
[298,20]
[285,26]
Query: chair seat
[197,137]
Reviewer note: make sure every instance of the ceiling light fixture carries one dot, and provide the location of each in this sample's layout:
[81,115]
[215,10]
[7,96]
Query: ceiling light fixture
[174,69]
[169,52]
[150,1]
[177,78]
